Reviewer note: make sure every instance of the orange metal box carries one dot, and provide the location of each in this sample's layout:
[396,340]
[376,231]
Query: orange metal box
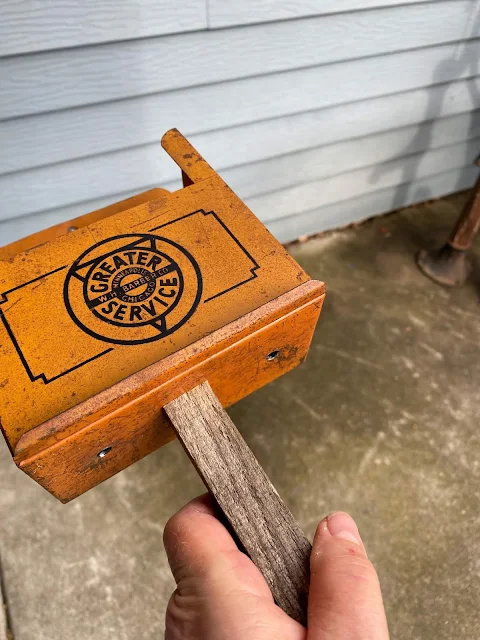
[102,326]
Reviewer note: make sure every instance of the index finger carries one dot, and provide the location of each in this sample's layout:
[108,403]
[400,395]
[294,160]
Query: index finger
[197,543]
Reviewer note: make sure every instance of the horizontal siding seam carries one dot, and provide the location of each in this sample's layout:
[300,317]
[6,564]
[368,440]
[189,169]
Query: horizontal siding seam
[109,43]
[142,188]
[368,166]
[464,178]
[341,61]
[301,149]
[206,28]
[77,113]
[419,155]
[309,16]
[263,75]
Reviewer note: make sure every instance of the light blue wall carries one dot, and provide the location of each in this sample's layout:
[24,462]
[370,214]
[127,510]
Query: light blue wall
[317,112]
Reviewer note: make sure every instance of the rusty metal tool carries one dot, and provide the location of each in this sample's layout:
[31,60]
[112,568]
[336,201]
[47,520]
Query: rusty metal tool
[451,265]
[167,303]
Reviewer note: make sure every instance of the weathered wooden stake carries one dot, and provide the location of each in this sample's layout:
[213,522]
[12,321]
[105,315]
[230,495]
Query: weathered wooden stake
[258,516]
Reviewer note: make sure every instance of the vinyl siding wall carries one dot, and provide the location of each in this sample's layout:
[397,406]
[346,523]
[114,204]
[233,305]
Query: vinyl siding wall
[317,112]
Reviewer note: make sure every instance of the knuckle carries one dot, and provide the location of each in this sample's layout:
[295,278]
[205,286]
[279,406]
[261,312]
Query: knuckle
[358,568]
[180,618]
[348,561]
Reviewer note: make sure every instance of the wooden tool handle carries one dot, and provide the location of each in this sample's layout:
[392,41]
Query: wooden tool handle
[264,525]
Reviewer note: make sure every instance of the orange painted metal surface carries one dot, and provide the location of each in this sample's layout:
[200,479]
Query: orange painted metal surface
[102,326]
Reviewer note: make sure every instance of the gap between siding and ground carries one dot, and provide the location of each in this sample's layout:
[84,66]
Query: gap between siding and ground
[367,206]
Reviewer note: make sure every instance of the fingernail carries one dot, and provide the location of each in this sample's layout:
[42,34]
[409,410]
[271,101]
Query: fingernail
[343,526]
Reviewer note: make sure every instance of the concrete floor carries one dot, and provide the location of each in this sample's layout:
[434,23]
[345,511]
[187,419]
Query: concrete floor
[382,420]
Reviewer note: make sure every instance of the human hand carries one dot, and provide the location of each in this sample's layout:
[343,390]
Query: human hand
[221,595]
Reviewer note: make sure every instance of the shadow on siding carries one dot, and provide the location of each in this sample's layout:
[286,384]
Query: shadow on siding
[465,60]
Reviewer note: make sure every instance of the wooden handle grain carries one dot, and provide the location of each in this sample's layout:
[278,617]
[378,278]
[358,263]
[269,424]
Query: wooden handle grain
[264,525]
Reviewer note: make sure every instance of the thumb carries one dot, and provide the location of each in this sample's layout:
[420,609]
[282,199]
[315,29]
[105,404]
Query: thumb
[345,599]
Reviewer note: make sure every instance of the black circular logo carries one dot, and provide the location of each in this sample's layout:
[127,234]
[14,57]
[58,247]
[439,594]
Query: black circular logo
[133,288]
